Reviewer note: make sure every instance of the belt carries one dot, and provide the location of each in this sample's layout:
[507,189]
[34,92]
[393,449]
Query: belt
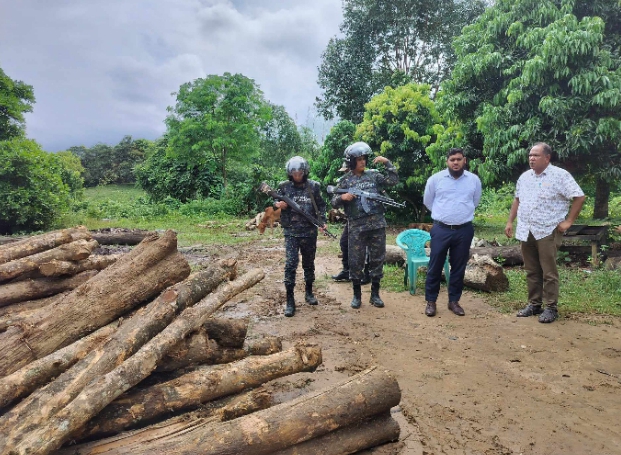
[452,226]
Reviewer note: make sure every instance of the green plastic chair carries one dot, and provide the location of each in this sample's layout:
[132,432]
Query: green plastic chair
[413,241]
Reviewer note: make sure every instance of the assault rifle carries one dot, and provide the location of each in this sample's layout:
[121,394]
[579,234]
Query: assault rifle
[365,196]
[265,188]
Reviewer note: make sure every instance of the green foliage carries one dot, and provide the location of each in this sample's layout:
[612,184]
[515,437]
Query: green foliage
[216,123]
[325,168]
[531,71]
[16,98]
[163,175]
[32,191]
[71,172]
[399,124]
[280,139]
[104,164]
[388,43]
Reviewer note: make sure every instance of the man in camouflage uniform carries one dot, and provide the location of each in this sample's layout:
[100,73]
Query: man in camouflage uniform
[367,229]
[300,233]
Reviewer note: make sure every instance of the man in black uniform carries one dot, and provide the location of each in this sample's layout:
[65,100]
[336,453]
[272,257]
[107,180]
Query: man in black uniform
[300,233]
[367,226]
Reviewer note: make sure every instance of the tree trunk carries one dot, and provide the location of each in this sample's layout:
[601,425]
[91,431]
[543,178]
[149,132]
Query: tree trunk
[126,341]
[32,245]
[352,439]
[22,291]
[215,411]
[138,276]
[204,384]
[74,251]
[366,394]
[28,306]
[229,333]
[602,195]
[98,394]
[120,236]
[504,255]
[394,255]
[35,374]
[199,349]
[484,274]
[62,268]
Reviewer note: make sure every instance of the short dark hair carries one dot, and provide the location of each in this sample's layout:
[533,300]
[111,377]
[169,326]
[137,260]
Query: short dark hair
[455,151]
[547,150]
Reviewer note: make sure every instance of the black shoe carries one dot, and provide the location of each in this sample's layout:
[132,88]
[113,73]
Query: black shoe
[376,301]
[548,315]
[308,296]
[356,302]
[456,308]
[290,307]
[343,275]
[530,310]
[430,309]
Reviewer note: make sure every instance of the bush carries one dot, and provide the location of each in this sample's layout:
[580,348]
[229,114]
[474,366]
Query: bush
[32,192]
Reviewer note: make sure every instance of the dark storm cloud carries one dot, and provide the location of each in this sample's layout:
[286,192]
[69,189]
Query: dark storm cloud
[102,70]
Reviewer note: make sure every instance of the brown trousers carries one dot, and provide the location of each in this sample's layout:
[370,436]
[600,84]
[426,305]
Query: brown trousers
[541,271]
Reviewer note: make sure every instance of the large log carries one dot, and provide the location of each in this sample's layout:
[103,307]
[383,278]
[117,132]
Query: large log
[366,394]
[504,255]
[61,268]
[138,276]
[99,393]
[215,411]
[133,334]
[120,236]
[394,255]
[486,275]
[229,333]
[28,306]
[38,243]
[73,251]
[199,349]
[352,439]
[35,374]
[204,384]
[37,288]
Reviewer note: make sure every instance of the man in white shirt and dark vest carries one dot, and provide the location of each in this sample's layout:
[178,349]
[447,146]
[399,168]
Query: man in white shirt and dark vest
[543,196]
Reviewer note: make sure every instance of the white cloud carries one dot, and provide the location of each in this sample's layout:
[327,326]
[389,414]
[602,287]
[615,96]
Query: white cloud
[102,70]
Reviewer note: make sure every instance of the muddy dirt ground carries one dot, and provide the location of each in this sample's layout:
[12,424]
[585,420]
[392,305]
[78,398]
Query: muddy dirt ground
[486,383]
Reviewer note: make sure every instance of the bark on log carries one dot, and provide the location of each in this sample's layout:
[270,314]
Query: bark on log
[138,276]
[394,255]
[199,349]
[504,255]
[121,237]
[35,374]
[98,394]
[352,439]
[486,275]
[22,291]
[229,333]
[29,306]
[61,268]
[32,245]
[366,394]
[73,251]
[215,411]
[205,383]
[613,263]
[126,341]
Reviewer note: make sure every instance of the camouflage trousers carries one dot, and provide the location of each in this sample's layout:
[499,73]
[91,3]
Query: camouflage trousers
[294,246]
[359,241]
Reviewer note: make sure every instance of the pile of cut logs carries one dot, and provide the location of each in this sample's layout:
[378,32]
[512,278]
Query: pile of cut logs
[123,355]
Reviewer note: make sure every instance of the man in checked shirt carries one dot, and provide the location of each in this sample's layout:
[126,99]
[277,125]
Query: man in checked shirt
[543,196]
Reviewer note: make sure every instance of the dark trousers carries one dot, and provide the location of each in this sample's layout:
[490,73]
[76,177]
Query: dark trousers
[294,246]
[359,241]
[344,244]
[541,271]
[455,243]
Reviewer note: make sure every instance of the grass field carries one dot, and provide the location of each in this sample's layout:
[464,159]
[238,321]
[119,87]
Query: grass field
[584,290]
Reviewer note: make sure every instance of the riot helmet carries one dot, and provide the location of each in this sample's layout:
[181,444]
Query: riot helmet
[355,150]
[297,163]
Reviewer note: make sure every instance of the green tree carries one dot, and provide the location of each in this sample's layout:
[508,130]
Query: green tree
[400,124]
[389,43]
[218,119]
[280,139]
[549,71]
[16,98]
[71,171]
[32,191]
[326,167]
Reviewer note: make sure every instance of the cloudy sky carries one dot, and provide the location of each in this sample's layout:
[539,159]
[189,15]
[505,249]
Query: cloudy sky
[103,69]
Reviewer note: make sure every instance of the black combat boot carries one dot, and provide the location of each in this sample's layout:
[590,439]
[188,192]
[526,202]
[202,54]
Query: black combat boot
[309,297]
[357,300]
[343,275]
[375,298]
[290,308]
[367,278]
